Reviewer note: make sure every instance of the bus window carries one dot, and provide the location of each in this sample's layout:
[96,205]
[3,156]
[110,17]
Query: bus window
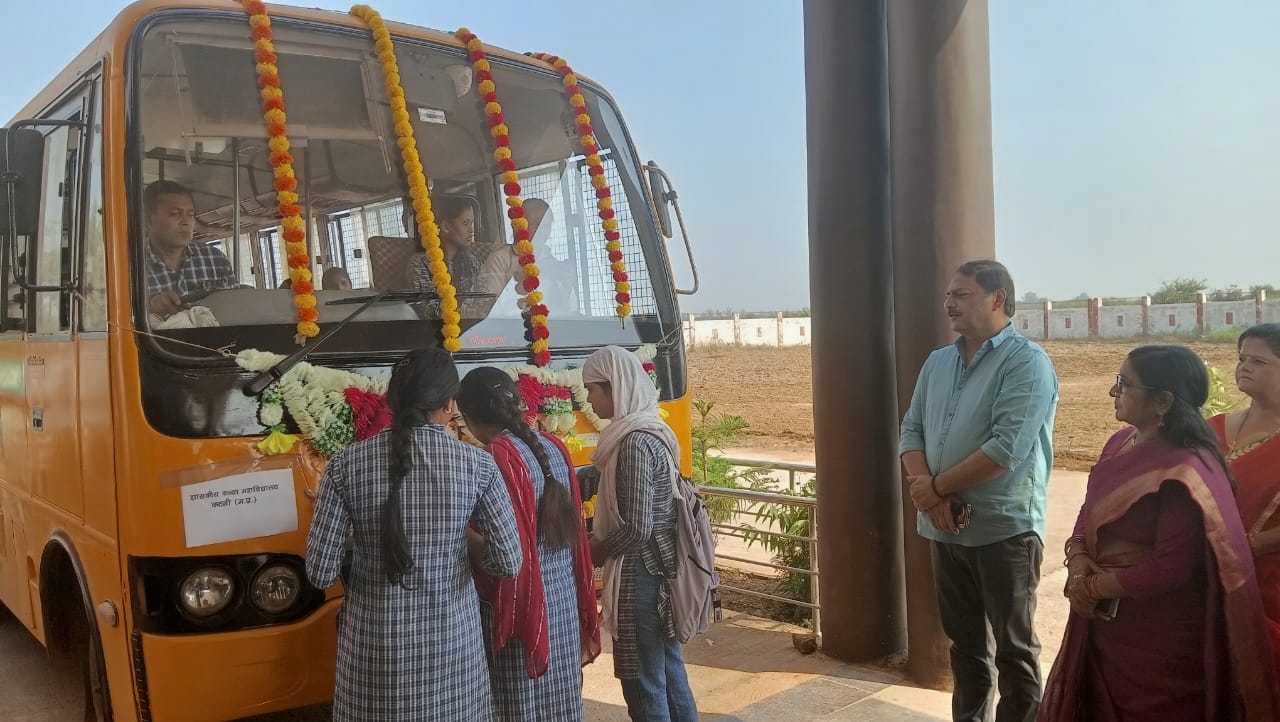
[93,266]
[200,125]
[56,242]
[575,274]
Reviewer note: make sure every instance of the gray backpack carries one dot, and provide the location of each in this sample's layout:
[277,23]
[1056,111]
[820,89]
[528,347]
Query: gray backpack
[694,583]
[695,588]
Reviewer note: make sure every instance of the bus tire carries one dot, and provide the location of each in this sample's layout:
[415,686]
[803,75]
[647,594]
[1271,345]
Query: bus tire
[70,626]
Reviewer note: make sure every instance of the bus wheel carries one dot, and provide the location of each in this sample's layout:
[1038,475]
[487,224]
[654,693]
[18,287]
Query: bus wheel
[85,647]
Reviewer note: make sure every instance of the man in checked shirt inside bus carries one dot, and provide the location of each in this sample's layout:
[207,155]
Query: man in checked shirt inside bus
[176,267]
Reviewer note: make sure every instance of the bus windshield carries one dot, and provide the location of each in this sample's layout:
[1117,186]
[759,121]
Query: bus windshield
[209,262]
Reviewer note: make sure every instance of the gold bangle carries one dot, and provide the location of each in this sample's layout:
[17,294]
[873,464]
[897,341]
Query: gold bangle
[1066,546]
[1072,555]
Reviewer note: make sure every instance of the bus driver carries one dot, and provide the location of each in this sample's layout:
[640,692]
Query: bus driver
[176,267]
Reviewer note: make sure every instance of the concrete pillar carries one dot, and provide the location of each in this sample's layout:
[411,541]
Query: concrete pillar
[1146,316]
[1048,308]
[851,285]
[780,334]
[1259,300]
[737,329]
[693,332]
[1095,317]
[943,215]
[1202,324]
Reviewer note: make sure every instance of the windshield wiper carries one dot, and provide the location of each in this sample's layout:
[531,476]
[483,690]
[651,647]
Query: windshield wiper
[263,379]
[259,383]
[406,296]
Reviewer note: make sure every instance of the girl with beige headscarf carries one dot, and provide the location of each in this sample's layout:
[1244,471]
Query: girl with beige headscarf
[634,536]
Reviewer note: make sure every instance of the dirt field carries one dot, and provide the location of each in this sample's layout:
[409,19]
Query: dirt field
[771,388]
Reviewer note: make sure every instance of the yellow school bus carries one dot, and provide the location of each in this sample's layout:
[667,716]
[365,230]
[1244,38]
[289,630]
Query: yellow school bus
[144,524]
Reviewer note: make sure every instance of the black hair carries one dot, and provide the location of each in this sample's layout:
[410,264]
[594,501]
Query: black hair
[1177,371]
[330,277]
[448,208]
[151,196]
[489,396]
[992,276]
[1268,333]
[422,382]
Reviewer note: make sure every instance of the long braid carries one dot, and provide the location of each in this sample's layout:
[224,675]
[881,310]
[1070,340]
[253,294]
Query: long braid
[422,382]
[489,396]
[395,543]
[557,519]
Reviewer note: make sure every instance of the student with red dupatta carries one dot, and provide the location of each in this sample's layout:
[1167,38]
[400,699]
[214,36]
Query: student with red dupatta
[1166,621]
[542,626]
[1251,441]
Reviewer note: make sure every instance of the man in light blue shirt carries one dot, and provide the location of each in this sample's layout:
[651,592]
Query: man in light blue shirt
[977,446]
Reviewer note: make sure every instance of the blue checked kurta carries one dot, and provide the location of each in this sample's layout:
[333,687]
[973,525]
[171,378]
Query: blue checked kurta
[556,695]
[203,268]
[646,502]
[415,653]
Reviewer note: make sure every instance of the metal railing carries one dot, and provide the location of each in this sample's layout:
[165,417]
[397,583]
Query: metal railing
[750,533]
[787,466]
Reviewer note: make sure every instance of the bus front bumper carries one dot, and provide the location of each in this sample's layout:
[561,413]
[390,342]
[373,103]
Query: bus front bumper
[239,674]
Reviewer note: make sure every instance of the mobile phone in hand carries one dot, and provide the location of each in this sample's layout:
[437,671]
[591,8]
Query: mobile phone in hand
[1107,608]
[962,513]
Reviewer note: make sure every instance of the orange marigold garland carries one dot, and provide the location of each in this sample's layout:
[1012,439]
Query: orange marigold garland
[538,331]
[286,183]
[415,176]
[595,168]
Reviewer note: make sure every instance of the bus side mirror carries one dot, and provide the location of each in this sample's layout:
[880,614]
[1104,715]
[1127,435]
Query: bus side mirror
[21,172]
[662,196]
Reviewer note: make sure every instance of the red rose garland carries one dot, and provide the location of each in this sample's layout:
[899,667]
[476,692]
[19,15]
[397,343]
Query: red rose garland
[595,168]
[538,331]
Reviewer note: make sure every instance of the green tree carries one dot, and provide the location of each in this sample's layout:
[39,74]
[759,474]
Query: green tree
[1230,293]
[710,433]
[1179,290]
[1219,401]
[792,520]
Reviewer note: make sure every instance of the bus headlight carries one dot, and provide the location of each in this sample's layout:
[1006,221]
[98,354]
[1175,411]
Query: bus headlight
[206,591]
[276,588]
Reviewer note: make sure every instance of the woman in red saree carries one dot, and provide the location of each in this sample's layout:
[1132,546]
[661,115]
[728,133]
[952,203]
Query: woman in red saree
[1251,441]
[543,625]
[1166,619]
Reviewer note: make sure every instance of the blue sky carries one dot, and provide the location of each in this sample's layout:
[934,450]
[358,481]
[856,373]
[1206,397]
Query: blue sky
[1134,141]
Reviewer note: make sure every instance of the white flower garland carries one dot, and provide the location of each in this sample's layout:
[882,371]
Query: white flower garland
[315,396]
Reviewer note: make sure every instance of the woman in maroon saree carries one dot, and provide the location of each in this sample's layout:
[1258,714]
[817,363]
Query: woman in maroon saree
[1166,620]
[1251,441]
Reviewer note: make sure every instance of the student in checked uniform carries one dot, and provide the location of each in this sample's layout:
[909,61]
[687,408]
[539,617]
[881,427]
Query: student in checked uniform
[410,645]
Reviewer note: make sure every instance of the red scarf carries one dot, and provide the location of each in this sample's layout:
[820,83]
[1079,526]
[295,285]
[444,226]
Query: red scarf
[520,604]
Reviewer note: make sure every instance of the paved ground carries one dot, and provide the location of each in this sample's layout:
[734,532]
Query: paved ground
[745,669]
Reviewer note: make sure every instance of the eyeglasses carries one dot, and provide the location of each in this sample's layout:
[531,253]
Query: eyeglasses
[1122,383]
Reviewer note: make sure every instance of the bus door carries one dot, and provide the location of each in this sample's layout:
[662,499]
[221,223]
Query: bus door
[51,373]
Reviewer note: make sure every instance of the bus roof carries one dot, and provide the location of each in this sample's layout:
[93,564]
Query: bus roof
[111,41]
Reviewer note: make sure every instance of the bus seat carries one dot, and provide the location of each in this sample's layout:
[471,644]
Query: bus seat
[389,260]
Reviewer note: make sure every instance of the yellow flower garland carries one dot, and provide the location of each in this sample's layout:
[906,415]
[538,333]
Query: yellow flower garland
[286,181]
[595,168]
[415,174]
[538,331]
